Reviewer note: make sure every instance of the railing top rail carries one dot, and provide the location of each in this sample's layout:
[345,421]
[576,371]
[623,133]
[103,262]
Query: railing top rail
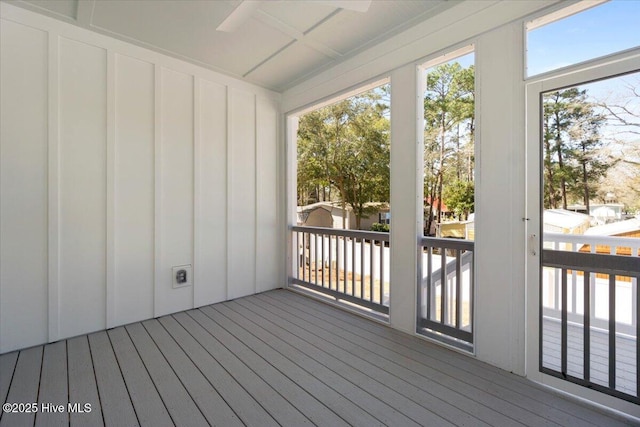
[608,264]
[632,242]
[360,234]
[447,243]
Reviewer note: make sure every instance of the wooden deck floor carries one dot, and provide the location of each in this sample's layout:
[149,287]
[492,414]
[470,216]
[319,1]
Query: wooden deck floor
[272,359]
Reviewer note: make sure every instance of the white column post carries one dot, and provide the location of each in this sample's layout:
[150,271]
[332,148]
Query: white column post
[407,151]
[500,199]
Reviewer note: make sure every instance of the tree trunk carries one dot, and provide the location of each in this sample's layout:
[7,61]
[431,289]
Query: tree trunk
[563,182]
[585,186]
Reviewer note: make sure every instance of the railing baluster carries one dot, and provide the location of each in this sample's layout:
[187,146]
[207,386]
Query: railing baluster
[304,257]
[362,268]
[471,291]
[431,297]
[330,261]
[353,266]
[443,284]
[323,260]
[612,331]
[458,288]
[315,263]
[381,290]
[345,267]
[587,327]
[296,274]
[563,335]
[338,259]
[371,270]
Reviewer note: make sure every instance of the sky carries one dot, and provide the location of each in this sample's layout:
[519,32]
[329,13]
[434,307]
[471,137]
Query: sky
[608,28]
[599,31]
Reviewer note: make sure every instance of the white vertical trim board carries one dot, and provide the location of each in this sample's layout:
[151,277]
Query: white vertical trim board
[83,113]
[157,168]
[134,190]
[176,202]
[211,178]
[110,177]
[268,251]
[197,192]
[242,197]
[53,249]
[23,186]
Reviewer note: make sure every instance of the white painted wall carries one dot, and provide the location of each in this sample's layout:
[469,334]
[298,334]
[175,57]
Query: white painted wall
[118,163]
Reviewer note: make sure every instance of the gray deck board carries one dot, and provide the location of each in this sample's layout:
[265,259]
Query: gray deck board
[148,405]
[278,359]
[7,367]
[53,386]
[82,383]
[315,411]
[431,375]
[177,400]
[243,404]
[346,391]
[24,387]
[420,390]
[117,408]
[210,403]
[393,408]
[281,410]
[280,354]
[493,380]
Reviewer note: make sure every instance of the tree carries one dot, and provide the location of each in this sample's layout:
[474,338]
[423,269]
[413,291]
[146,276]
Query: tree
[585,143]
[571,143]
[459,197]
[345,146]
[622,111]
[449,131]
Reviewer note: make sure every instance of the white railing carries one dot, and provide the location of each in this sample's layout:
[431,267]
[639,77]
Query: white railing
[626,286]
[445,290]
[350,266]
[589,306]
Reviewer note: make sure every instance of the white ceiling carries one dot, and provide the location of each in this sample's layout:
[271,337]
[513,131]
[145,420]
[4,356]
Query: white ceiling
[280,44]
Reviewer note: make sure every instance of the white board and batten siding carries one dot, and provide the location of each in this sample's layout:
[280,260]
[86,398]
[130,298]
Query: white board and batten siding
[118,163]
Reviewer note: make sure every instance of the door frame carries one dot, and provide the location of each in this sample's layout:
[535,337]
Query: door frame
[603,68]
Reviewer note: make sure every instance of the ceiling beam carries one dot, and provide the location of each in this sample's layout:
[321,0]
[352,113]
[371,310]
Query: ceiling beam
[299,36]
[239,16]
[84,12]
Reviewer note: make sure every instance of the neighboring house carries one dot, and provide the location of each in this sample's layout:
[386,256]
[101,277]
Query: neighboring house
[602,213]
[330,215]
[564,221]
[457,229]
[628,228]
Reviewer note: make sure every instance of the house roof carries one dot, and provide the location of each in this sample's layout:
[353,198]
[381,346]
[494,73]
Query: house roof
[616,228]
[564,218]
[329,206]
[444,207]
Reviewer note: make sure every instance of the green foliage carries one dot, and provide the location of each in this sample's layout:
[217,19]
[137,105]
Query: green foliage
[345,147]
[459,197]
[573,164]
[449,132]
[383,228]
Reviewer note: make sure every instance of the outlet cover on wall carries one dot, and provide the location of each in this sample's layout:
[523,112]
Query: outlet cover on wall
[181,276]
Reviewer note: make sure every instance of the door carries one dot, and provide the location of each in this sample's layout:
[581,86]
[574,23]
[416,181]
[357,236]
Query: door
[583,258]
